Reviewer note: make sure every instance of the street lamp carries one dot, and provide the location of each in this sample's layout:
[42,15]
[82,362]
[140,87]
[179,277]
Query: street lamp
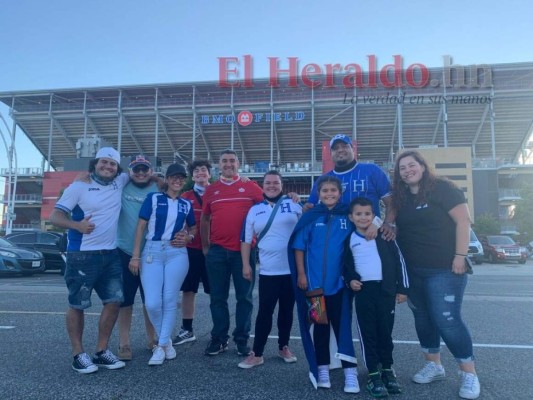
[11,176]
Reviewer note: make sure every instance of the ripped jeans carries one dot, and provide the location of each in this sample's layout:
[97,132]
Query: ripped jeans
[435,298]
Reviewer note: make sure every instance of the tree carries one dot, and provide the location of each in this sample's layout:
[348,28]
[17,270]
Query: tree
[523,213]
[486,224]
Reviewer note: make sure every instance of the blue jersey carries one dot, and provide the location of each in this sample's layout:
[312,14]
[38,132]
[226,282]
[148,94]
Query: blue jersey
[363,180]
[322,240]
[166,216]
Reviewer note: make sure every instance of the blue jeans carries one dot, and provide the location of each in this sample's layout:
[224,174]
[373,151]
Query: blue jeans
[99,270]
[222,264]
[435,297]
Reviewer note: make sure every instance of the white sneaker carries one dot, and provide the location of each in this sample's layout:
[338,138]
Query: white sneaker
[470,387]
[431,372]
[351,384]
[323,377]
[170,352]
[158,356]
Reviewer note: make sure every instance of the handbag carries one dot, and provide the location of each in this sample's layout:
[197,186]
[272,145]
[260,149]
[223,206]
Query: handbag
[316,302]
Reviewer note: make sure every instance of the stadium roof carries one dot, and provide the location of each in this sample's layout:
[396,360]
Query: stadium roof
[491,111]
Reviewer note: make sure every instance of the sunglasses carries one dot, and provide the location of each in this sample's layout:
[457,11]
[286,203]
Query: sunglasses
[140,168]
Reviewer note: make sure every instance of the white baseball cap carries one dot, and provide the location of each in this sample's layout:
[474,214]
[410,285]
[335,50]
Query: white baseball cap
[108,152]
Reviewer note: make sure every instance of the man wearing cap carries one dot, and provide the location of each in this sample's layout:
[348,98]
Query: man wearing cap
[90,211]
[141,183]
[358,180]
[225,205]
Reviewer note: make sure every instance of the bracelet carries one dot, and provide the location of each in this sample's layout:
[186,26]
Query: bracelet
[191,236]
[391,224]
[134,258]
[377,222]
[462,255]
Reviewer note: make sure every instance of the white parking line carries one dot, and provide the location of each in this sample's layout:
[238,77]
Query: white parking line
[414,342]
[42,312]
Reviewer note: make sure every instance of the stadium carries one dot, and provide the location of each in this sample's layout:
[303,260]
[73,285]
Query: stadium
[487,109]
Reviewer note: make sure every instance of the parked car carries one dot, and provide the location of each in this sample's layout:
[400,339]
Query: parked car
[475,249]
[52,244]
[502,248]
[16,260]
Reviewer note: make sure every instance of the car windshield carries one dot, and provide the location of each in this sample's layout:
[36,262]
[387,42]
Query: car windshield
[502,240]
[473,237]
[6,243]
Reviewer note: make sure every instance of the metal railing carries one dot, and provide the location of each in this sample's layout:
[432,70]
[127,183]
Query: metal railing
[22,171]
[24,198]
[509,194]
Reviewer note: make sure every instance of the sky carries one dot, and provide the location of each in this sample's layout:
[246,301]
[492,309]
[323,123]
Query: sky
[71,44]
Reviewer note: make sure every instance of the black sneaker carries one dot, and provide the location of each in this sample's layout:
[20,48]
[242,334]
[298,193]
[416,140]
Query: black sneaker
[82,363]
[389,380]
[215,347]
[106,359]
[243,349]
[375,386]
[184,336]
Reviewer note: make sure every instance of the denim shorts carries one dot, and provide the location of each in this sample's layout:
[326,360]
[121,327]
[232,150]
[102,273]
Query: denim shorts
[98,270]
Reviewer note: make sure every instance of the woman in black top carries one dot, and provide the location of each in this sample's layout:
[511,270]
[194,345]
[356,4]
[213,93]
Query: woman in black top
[433,233]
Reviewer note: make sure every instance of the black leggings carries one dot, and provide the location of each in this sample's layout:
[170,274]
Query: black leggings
[321,333]
[273,288]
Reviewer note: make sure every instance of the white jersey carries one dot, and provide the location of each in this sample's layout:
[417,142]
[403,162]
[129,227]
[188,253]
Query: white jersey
[273,246]
[366,258]
[102,203]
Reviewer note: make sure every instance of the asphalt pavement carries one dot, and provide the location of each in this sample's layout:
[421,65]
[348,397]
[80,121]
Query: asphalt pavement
[36,361]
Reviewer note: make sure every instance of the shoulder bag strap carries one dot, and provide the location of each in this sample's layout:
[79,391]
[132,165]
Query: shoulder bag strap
[269,222]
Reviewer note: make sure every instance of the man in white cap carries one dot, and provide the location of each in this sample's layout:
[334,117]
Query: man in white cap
[90,211]
[359,180]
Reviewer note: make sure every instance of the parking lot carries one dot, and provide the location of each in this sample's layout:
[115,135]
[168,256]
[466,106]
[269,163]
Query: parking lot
[36,359]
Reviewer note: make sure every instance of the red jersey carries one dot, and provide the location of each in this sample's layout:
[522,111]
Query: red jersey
[228,204]
[197,208]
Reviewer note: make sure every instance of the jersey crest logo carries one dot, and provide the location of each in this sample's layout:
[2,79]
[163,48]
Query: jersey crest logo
[241,190]
[92,189]
[217,192]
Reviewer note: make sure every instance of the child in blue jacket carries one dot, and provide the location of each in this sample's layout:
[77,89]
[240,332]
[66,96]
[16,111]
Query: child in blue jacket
[317,262]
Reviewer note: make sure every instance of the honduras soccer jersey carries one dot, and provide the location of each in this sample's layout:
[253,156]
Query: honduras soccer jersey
[273,246]
[166,216]
[363,180]
[100,203]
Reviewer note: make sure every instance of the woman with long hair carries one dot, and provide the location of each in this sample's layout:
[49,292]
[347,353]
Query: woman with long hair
[433,233]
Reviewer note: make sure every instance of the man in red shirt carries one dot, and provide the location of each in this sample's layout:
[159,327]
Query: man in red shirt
[225,205]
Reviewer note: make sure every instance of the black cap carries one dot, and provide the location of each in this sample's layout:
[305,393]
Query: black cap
[176,169]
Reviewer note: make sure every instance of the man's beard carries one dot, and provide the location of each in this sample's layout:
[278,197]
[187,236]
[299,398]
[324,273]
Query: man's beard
[141,184]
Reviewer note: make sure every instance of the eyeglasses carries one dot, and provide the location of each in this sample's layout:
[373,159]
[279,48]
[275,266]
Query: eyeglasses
[140,168]
[176,178]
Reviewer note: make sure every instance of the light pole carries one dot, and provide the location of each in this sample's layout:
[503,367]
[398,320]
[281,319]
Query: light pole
[11,176]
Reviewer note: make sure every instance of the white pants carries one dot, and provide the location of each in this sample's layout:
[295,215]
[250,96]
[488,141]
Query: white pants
[163,270]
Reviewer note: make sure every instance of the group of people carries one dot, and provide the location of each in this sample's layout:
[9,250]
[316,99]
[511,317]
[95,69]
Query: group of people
[320,257]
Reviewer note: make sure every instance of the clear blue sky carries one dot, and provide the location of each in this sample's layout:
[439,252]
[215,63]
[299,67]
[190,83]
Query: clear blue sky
[64,43]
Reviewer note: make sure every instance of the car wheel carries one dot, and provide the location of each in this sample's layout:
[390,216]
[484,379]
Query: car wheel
[522,262]
[478,261]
